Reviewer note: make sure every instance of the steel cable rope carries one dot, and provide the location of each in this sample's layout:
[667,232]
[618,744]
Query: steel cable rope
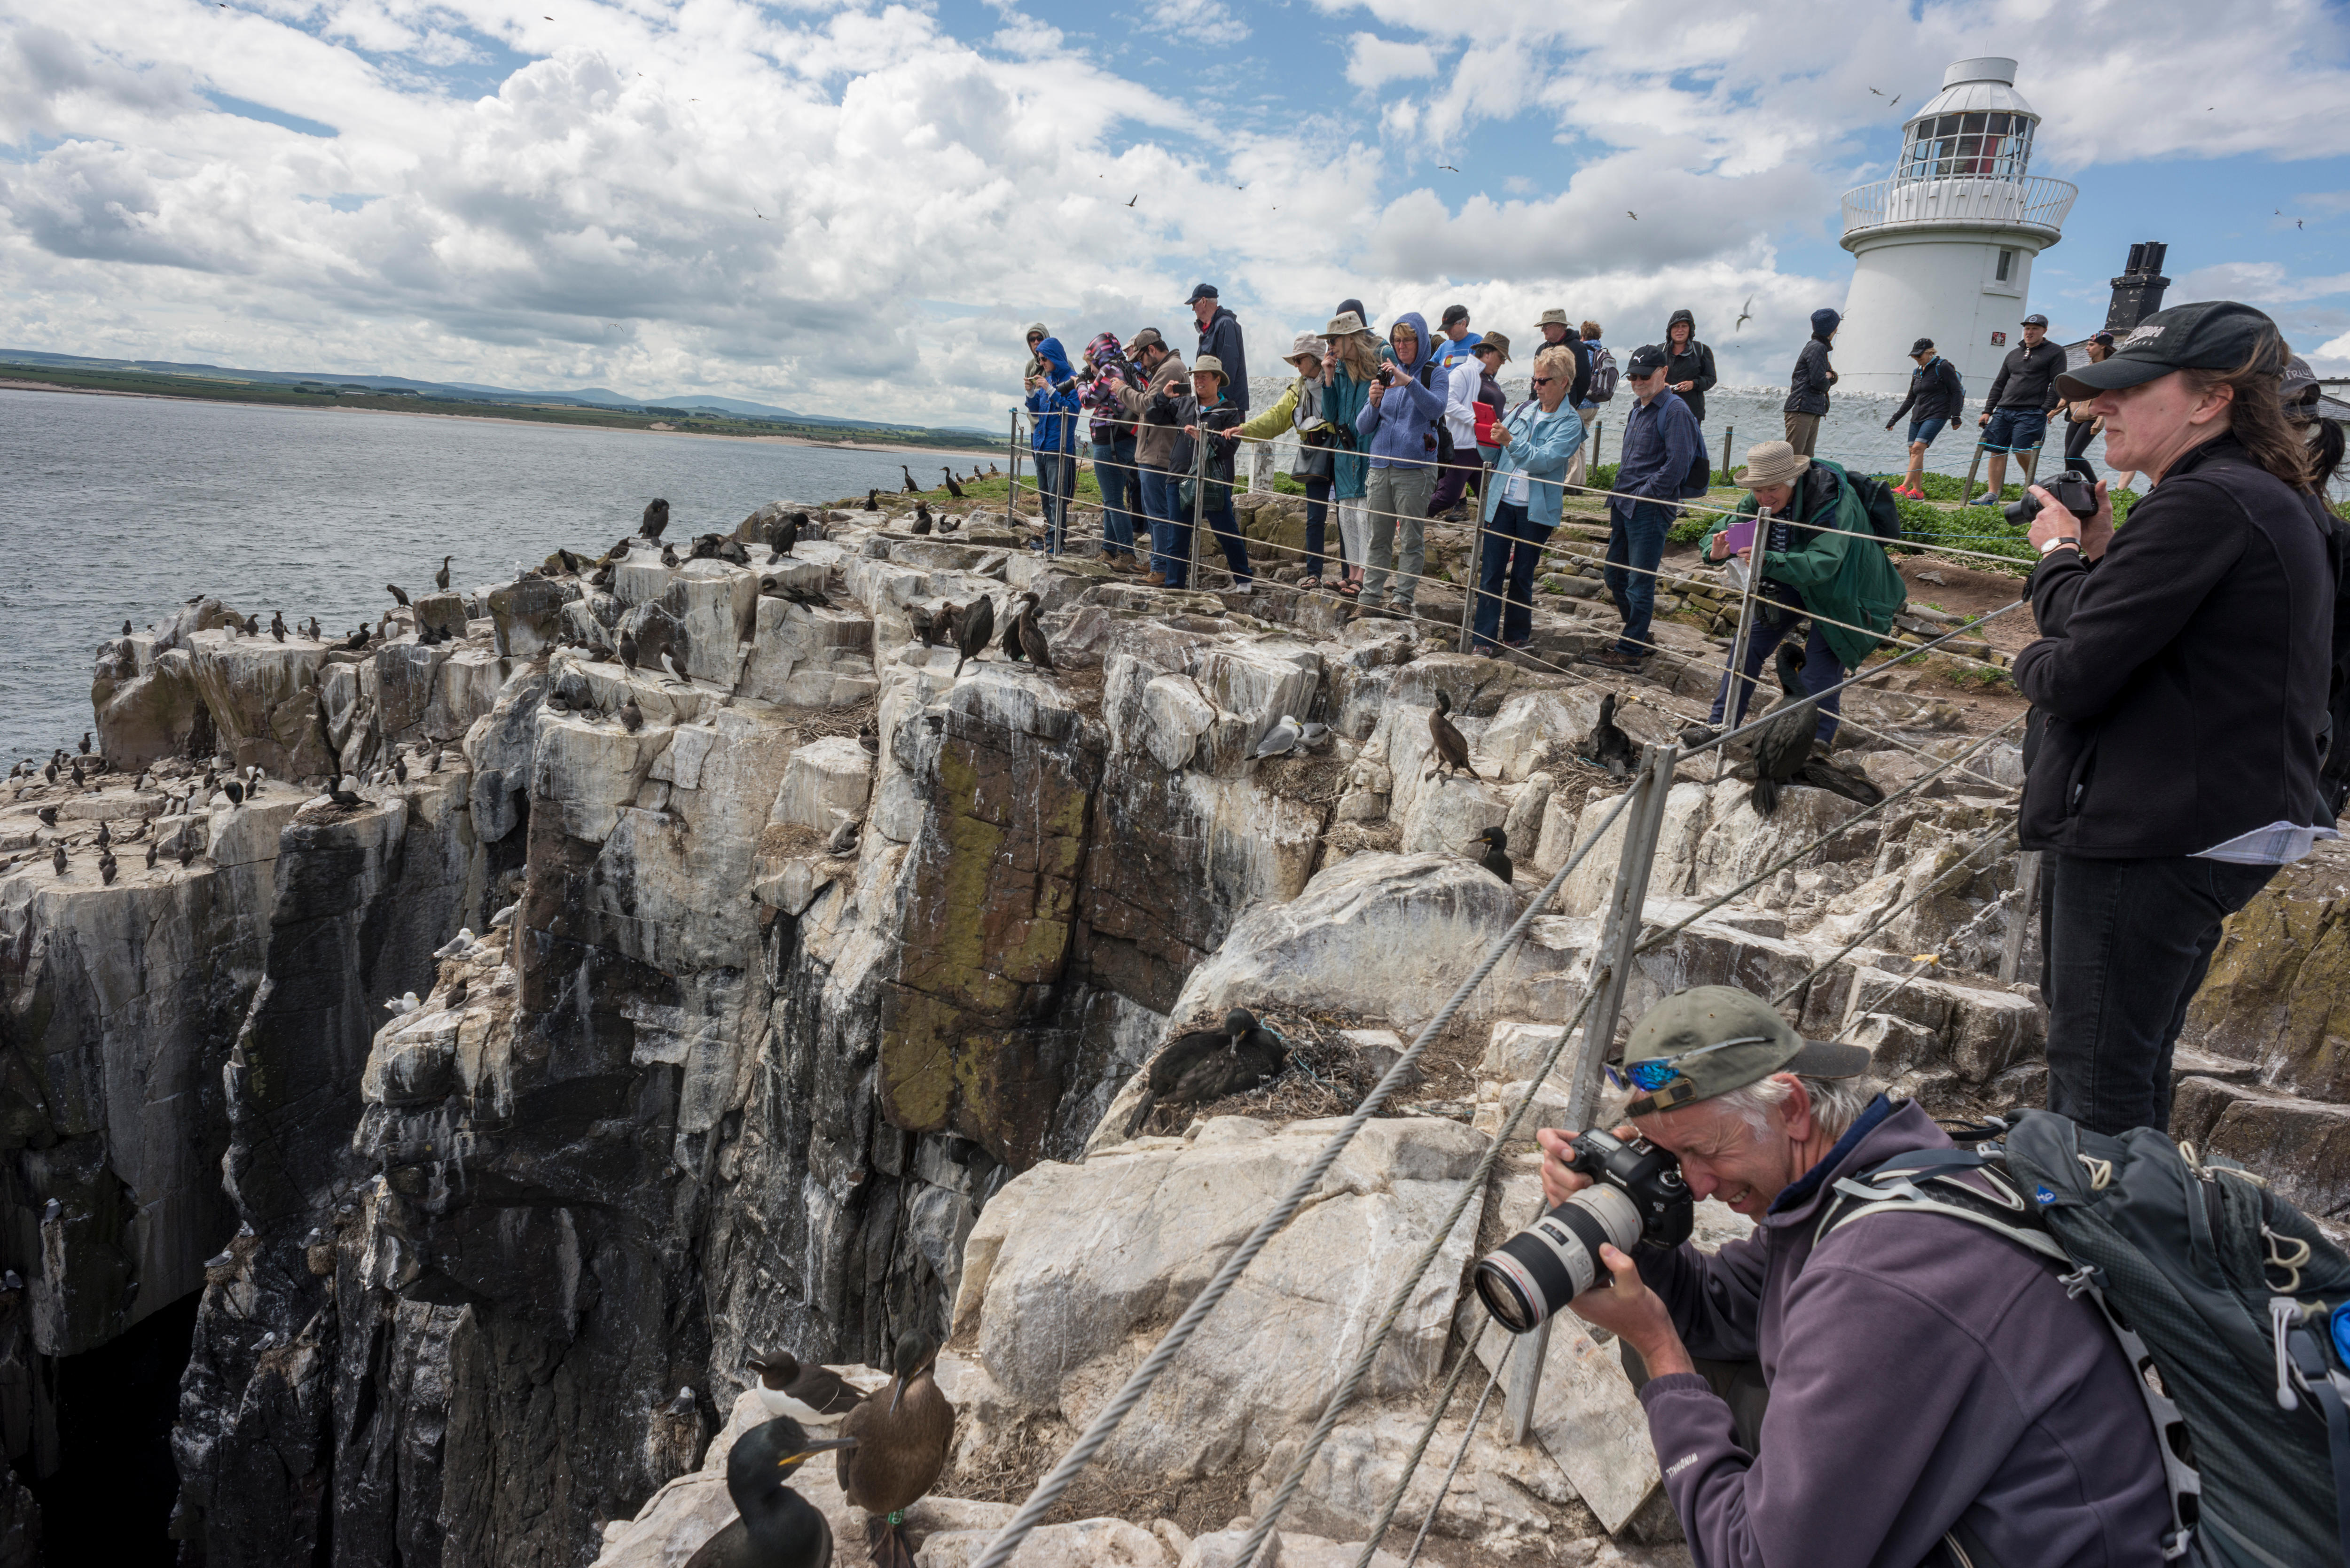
[1048,1491]
[1427,1433]
[1371,1548]
[2003,830]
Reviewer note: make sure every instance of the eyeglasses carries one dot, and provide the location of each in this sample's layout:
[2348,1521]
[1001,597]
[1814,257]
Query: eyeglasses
[1653,1072]
[1545,380]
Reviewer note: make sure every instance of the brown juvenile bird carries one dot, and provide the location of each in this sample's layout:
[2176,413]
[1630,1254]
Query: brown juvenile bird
[1451,750]
[632,718]
[922,519]
[440,578]
[395,591]
[974,627]
[1031,636]
[656,519]
[901,1435]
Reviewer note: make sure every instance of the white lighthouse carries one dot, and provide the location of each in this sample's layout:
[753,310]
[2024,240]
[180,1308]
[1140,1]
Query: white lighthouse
[1943,249]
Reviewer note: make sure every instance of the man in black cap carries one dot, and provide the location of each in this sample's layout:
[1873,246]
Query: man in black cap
[2022,395]
[1848,1396]
[1660,445]
[1220,338]
[1936,396]
[2179,691]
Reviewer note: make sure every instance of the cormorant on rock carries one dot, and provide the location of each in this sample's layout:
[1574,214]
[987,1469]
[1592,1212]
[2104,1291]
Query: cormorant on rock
[949,523]
[1282,738]
[775,1527]
[784,538]
[395,590]
[126,626]
[1010,641]
[85,742]
[59,859]
[656,519]
[1496,857]
[356,640]
[105,836]
[74,767]
[47,813]
[1821,773]
[187,848]
[234,790]
[1607,745]
[398,769]
[873,501]
[1451,750]
[1031,636]
[440,578]
[912,488]
[1206,1065]
[803,1393]
[974,628]
[922,520]
[1783,744]
[900,1435]
[669,556]
[953,488]
[277,625]
[627,648]
[632,718]
[152,846]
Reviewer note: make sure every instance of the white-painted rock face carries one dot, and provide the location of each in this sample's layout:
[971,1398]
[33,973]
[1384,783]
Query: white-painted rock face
[1175,717]
[825,782]
[1523,733]
[713,600]
[263,695]
[1073,1273]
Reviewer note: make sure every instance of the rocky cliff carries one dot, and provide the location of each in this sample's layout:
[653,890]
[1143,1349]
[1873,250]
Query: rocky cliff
[795,1000]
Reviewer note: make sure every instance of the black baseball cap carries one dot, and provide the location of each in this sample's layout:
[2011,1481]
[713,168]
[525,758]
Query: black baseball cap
[1923,346]
[2036,320]
[2211,335]
[1201,291]
[1647,360]
[1453,313]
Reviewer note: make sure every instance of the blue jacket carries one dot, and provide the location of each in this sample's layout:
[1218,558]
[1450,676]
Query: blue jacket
[1055,408]
[1400,430]
[1343,402]
[1539,446]
[1660,446]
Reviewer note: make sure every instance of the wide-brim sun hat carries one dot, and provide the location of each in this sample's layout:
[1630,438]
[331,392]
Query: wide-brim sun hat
[1771,463]
[1307,343]
[1553,318]
[1209,365]
[1494,340]
[1345,324]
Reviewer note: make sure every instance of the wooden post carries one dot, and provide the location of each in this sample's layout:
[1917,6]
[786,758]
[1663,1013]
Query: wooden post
[2029,462]
[1974,464]
[1618,935]
[1728,431]
[2027,895]
[1476,564]
[1012,491]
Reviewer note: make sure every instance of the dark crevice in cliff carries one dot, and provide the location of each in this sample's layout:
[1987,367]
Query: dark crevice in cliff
[110,1499]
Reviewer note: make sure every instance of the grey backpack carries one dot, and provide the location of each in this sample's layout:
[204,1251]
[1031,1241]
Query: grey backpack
[2237,1302]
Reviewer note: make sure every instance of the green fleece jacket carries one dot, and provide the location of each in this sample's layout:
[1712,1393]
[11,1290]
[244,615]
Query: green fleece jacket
[1836,564]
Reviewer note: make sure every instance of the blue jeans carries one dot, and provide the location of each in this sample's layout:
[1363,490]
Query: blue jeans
[1508,555]
[1636,539]
[1227,530]
[1161,499]
[2015,430]
[1114,472]
[1317,512]
[1926,430]
[1057,480]
[1822,670]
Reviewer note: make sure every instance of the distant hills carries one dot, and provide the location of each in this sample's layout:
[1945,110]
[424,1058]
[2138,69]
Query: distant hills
[463,391]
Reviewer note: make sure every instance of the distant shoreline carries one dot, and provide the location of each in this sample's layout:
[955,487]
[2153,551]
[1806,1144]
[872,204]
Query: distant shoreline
[16,383]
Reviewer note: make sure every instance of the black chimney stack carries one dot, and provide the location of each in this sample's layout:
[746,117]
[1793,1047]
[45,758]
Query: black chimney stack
[2137,293]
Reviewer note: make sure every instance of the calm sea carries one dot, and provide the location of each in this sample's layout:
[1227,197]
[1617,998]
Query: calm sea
[127,506]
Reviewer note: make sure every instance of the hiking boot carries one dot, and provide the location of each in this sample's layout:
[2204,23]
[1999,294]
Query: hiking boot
[1155,580]
[1609,658]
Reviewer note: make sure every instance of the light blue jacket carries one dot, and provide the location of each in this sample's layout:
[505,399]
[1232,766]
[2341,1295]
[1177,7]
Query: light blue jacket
[1399,430]
[1539,447]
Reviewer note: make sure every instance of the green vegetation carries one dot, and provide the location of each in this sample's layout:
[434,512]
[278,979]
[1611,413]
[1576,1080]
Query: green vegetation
[316,394]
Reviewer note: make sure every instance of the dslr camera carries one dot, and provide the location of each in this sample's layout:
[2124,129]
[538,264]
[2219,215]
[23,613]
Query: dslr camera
[1637,1199]
[2073,490]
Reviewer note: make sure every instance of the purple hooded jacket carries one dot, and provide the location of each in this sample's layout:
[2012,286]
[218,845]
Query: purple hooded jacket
[1921,1369]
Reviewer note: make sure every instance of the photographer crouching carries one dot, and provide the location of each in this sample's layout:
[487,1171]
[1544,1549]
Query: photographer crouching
[2178,690]
[1885,1387]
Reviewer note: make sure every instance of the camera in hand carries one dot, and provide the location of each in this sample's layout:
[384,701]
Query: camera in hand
[2073,490]
[1637,1199]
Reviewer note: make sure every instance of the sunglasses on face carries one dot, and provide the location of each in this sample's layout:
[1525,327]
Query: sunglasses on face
[1545,380]
[1653,1072]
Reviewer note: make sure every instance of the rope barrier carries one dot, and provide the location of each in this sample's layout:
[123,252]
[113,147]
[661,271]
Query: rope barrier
[1906,905]
[1450,1470]
[1427,1433]
[1049,1490]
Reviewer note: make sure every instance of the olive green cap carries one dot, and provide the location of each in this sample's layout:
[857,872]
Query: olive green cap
[1749,1041]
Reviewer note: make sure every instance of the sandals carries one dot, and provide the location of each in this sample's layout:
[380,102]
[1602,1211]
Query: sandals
[1309,584]
[1350,588]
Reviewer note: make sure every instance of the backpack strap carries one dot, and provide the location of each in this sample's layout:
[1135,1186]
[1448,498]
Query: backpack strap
[2299,1357]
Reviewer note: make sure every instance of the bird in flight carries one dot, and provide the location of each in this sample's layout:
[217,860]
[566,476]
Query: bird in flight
[1240,187]
[1631,215]
[1745,313]
[758,215]
[1878,91]
[1448,169]
[1896,103]
[1130,201]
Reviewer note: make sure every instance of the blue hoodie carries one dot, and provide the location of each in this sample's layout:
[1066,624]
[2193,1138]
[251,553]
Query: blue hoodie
[1052,432]
[1399,430]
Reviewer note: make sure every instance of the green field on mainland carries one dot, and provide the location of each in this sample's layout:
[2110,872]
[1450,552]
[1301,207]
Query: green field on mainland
[330,395]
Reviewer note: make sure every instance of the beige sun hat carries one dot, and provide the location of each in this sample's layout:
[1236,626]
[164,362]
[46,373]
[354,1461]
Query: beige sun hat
[1494,340]
[1307,343]
[1553,318]
[1771,463]
[1209,365]
[1343,324]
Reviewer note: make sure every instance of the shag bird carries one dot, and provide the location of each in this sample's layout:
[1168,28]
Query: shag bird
[85,742]
[1496,857]
[803,1393]
[953,488]
[974,628]
[1607,745]
[1206,1065]
[632,718]
[234,790]
[627,648]
[1451,749]
[775,1527]
[669,556]
[873,501]
[1821,773]
[395,590]
[1784,743]
[277,625]
[356,640]
[656,518]
[784,537]
[440,578]
[1031,636]
[151,846]
[59,859]
[1011,641]
[912,488]
[900,1435]
[345,798]
[126,626]
[1282,738]
[923,522]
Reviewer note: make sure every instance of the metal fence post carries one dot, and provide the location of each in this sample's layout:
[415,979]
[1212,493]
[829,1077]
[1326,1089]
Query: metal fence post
[2027,895]
[1618,935]
[1012,491]
[1739,644]
[1199,503]
[1477,565]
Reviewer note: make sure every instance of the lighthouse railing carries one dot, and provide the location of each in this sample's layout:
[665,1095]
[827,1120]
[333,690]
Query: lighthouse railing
[2039,203]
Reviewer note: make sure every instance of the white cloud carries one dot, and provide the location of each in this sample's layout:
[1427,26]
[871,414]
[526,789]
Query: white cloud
[1208,21]
[1372,61]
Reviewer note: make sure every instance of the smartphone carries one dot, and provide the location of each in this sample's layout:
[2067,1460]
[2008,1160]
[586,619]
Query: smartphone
[1738,535]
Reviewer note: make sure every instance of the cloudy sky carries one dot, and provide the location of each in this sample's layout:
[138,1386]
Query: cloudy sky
[852,209]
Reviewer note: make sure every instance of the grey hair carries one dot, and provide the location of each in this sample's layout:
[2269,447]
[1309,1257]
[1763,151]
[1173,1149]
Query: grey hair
[1836,1103]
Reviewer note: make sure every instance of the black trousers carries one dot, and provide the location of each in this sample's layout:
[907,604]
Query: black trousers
[2127,943]
[2078,437]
